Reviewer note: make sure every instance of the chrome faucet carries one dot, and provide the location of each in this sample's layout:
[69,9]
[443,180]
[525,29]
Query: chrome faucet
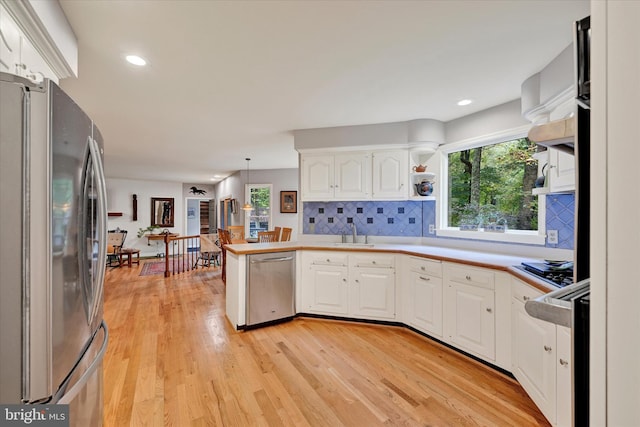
[354,232]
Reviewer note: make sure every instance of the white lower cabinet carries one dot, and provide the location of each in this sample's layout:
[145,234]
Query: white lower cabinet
[372,293]
[424,296]
[355,285]
[564,368]
[541,358]
[329,290]
[469,309]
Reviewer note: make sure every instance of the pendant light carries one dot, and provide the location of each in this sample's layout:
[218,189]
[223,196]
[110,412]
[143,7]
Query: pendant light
[247,206]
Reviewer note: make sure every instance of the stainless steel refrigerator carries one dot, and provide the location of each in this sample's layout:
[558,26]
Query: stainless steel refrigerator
[52,251]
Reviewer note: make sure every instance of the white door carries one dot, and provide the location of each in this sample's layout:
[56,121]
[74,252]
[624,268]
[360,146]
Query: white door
[426,303]
[390,172]
[328,290]
[317,177]
[534,357]
[562,171]
[373,293]
[470,319]
[352,176]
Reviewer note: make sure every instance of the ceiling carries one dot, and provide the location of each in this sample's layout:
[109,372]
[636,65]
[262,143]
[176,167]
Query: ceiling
[227,80]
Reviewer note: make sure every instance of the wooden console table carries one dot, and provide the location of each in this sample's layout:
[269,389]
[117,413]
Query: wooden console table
[165,237]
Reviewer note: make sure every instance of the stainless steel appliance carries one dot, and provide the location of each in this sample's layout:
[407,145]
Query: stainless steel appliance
[271,280]
[557,274]
[53,234]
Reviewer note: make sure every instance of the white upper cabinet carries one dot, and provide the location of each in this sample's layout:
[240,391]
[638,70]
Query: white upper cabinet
[317,177]
[361,175]
[390,174]
[18,55]
[561,171]
[335,177]
[352,176]
[9,43]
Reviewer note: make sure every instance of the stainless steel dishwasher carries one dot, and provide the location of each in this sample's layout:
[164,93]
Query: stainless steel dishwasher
[271,281]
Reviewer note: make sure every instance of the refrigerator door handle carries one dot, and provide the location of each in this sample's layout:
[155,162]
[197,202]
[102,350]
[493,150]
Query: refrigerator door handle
[102,226]
[68,395]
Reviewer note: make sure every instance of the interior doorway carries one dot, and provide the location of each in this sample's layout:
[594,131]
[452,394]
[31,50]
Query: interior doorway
[227,207]
[201,216]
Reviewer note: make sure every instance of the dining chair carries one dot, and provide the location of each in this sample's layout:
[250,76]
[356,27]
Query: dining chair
[237,233]
[209,251]
[267,236]
[277,231]
[286,234]
[225,239]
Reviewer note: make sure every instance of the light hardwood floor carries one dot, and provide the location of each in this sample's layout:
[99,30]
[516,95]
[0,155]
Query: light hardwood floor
[174,360]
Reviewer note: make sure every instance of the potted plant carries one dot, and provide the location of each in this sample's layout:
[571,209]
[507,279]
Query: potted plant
[469,218]
[150,229]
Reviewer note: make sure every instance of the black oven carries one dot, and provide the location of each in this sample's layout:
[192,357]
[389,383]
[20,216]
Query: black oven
[583,61]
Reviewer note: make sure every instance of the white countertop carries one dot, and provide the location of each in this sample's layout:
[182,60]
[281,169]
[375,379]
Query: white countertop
[475,258]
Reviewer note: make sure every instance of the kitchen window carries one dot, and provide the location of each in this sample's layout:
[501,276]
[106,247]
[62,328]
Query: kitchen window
[259,218]
[486,190]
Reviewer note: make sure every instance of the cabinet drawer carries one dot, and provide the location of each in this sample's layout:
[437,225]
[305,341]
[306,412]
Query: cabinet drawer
[425,266]
[523,292]
[328,258]
[470,276]
[372,261]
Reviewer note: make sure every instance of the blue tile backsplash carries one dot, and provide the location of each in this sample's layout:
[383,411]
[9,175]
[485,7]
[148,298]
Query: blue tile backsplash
[412,218]
[560,210]
[384,218]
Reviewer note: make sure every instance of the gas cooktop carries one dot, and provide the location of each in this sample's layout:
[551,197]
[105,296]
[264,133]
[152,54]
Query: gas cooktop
[560,275]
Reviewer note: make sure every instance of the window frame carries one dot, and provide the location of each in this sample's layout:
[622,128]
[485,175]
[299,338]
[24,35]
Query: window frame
[247,198]
[510,236]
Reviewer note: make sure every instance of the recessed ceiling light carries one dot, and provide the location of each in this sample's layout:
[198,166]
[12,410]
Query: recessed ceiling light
[464,102]
[136,60]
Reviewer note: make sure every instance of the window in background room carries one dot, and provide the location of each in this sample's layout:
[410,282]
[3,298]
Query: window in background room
[260,214]
[488,188]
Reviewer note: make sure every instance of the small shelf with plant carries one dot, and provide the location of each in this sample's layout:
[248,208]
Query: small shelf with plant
[150,229]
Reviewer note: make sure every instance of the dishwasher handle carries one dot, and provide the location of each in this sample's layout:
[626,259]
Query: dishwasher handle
[278,259]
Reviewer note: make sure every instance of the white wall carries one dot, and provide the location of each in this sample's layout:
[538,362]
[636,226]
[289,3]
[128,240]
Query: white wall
[485,122]
[615,236]
[119,199]
[280,179]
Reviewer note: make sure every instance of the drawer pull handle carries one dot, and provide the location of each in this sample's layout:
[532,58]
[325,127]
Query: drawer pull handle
[357,281]
[564,362]
[373,262]
[328,260]
[526,298]
[489,310]
[425,278]
[344,280]
[423,268]
[467,277]
[547,348]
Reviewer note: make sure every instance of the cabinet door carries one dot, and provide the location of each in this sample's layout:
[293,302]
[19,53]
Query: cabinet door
[470,320]
[373,293]
[564,367]
[317,178]
[9,44]
[534,357]
[352,176]
[562,171]
[425,306]
[390,174]
[328,290]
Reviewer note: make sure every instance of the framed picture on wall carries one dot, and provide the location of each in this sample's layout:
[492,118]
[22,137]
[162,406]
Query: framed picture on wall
[288,202]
